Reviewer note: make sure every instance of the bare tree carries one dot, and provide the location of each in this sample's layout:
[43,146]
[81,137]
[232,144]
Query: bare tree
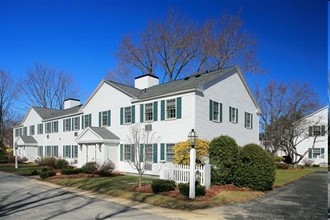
[46,87]
[139,139]
[282,106]
[8,94]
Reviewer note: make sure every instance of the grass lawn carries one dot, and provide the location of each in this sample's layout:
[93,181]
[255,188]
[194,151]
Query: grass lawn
[121,185]
[23,169]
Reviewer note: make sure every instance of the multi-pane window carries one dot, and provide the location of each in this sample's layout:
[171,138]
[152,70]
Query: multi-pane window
[105,118]
[25,131]
[233,115]
[67,124]
[316,153]
[127,152]
[148,156]
[48,151]
[75,123]
[75,151]
[127,115]
[317,130]
[87,120]
[169,152]
[55,126]
[170,109]
[67,151]
[248,120]
[52,151]
[32,130]
[148,112]
[20,132]
[48,126]
[40,128]
[40,151]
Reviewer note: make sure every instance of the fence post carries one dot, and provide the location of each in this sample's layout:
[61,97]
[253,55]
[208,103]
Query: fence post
[162,172]
[207,175]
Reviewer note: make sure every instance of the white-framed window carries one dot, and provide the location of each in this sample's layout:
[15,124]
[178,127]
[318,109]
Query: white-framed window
[170,109]
[316,153]
[127,115]
[55,126]
[48,127]
[40,128]
[215,111]
[148,111]
[104,118]
[127,152]
[55,151]
[233,115]
[148,156]
[51,151]
[76,124]
[40,151]
[67,124]
[67,151]
[169,152]
[25,131]
[75,151]
[32,130]
[87,120]
[317,130]
[248,120]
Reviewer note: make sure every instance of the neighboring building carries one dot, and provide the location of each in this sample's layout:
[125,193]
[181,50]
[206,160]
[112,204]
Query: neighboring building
[214,103]
[316,129]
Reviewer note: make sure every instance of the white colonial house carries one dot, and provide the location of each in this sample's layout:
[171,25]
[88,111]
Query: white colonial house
[213,103]
[314,140]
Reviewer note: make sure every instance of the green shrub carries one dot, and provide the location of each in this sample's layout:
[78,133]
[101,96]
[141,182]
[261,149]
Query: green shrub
[69,171]
[282,166]
[61,164]
[45,173]
[48,161]
[184,190]
[255,168]
[34,172]
[90,168]
[278,159]
[106,168]
[223,155]
[162,185]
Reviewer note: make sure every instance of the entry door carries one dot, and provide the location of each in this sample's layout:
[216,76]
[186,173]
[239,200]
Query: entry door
[148,153]
[91,154]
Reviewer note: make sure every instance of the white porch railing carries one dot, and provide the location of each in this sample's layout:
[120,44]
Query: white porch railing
[180,173]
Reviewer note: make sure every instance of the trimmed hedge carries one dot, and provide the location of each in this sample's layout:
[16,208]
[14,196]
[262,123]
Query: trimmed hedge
[71,171]
[162,185]
[223,155]
[255,168]
[46,172]
[184,189]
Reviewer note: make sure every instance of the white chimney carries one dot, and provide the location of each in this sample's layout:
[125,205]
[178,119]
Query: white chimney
[69,103]
[146,81]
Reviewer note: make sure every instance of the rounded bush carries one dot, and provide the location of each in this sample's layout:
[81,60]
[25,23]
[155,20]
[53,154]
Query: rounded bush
[71,171]
[182,151]
[90,168]
[223,155]
[255,168]
[106,168]
[162,185]
[45,173]
[184,190]
[61,164]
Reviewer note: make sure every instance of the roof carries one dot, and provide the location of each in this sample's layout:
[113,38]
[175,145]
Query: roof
[45,113]
[192,82]
[28,140]
[104,133]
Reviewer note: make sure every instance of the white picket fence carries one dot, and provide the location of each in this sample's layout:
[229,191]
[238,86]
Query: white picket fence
[180,173]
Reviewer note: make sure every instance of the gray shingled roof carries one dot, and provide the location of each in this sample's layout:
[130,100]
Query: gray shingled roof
[28,140]
[46,113]
[193,82]
[104,133]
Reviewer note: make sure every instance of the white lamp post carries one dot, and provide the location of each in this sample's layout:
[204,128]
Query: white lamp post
[16,163]
[192,140]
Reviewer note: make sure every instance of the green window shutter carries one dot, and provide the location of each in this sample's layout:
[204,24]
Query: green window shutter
[310,131]
[310,153]
[236,115]
[133,153]
[155,152]
[141,152]
[63,151]
[245,118]
[82,122]
[141,112]
[100,119]
[162,110]
[121,115]
[322,150]
[179,108]
[229,114]
[210,110]
[109,118]
[162,151]
[70,124]
[63,124]
[133,114]
[121,153]
[90,120]
[251,121]
[220,112]
[155,111]
[322,130]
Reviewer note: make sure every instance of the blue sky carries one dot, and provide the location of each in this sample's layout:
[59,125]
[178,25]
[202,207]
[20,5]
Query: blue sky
[80,37]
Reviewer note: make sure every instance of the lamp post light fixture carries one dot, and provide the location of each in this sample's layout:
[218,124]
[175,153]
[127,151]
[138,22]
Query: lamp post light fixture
[192,140]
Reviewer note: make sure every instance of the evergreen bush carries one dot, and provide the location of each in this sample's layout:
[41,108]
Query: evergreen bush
[90,168]
[162,185]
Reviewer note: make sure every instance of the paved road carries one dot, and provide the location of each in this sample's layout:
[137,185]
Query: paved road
[304,199]
[24,198]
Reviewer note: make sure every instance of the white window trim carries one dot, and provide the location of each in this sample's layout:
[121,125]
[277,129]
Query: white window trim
[130,115]
[175,108]
[145,112]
